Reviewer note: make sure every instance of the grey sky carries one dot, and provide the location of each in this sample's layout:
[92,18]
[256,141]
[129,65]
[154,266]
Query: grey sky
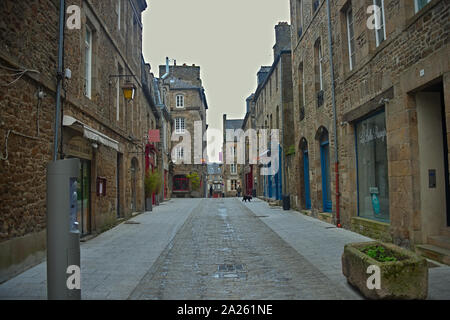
[229,40]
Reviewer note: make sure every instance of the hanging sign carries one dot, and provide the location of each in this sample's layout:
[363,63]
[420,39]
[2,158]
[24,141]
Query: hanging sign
[153,136]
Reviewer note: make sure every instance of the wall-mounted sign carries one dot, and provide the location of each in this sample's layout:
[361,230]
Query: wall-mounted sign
[78,147]
[154,136]
[101,187]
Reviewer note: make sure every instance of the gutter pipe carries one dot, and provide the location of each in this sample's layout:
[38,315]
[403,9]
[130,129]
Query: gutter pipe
[333,98]
[59,76]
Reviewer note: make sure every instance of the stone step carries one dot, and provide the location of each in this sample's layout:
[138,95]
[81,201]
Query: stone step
[440,241]
[434,253]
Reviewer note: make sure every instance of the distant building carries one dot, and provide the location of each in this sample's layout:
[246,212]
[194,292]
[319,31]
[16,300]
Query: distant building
[271,108]
[231,167]
[215,180]
[380,167]
[185,98]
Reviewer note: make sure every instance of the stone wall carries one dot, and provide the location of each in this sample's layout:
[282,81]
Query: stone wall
[384,76]
[27,123]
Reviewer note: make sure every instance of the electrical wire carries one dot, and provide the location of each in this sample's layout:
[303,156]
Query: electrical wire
[19,73]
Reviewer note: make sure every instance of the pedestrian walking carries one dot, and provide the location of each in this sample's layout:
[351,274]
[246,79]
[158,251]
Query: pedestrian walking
[210,191]
[239,190]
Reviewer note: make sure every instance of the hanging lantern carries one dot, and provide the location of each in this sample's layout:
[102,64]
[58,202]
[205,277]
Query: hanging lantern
[129,90]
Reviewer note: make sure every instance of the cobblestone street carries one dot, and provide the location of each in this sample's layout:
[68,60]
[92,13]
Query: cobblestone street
[214,249]
[224,251]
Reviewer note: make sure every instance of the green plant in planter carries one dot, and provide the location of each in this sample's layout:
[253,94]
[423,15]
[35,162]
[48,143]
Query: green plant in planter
[152,183]
[195,180]
[379,253]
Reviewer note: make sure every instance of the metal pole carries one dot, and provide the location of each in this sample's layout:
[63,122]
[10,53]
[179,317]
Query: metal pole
[59,76]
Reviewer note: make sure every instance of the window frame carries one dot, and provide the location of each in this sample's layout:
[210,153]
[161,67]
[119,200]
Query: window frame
[382,22]
[88,62]
[320,56]
[179,106]
[416,5]
[180,125]
[351,53]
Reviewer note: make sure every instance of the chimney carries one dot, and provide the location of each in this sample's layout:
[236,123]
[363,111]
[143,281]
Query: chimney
[282,38]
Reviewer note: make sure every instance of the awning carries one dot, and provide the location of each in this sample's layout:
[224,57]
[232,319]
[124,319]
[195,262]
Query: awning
[90,133]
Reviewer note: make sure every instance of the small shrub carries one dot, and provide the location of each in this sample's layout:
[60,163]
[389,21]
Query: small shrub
[379,253]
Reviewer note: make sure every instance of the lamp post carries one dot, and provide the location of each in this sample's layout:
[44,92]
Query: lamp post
[129,88]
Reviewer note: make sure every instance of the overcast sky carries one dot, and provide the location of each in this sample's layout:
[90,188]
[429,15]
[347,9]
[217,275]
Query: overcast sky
[229,40]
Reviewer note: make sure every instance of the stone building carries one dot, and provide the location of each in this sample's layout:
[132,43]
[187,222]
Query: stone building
[102,129]
[392,118]
[184,96]
[273,110]
[231,164]
[250,168]
[215,180]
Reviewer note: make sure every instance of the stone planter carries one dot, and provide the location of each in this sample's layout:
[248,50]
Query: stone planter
[404,279]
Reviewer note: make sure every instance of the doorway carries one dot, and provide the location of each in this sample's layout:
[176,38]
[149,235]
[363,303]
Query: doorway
[433,159]
[84,197]
[118,184]
[325,168]
[306,180]
[134,167]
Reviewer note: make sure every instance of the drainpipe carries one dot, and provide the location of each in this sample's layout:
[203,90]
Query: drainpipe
[283,175]
[167,69]
[333,99]
[59,76]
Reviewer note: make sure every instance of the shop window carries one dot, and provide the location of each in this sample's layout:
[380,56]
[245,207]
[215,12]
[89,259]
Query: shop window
[373,185]
[180,183]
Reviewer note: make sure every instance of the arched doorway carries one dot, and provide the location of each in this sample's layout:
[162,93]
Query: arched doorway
[324,143]
[304,161]
[133,171]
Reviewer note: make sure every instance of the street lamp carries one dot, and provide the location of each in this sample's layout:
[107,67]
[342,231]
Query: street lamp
[129,88]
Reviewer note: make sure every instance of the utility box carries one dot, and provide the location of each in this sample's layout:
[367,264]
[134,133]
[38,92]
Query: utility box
[63,235]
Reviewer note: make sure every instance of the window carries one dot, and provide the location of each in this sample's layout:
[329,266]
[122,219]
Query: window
[88,63]
[233,168]
[118,11]
[350,38]
[419,4]
[315,5]
[233,185]
[180,101]
[372,168]
[301,91]
[380,30]
[299,17]
[179,152]
[320,65]
[180,125]
[233,152]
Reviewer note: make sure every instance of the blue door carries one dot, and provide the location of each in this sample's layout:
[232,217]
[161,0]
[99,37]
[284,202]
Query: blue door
[306,180]
[326,178]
